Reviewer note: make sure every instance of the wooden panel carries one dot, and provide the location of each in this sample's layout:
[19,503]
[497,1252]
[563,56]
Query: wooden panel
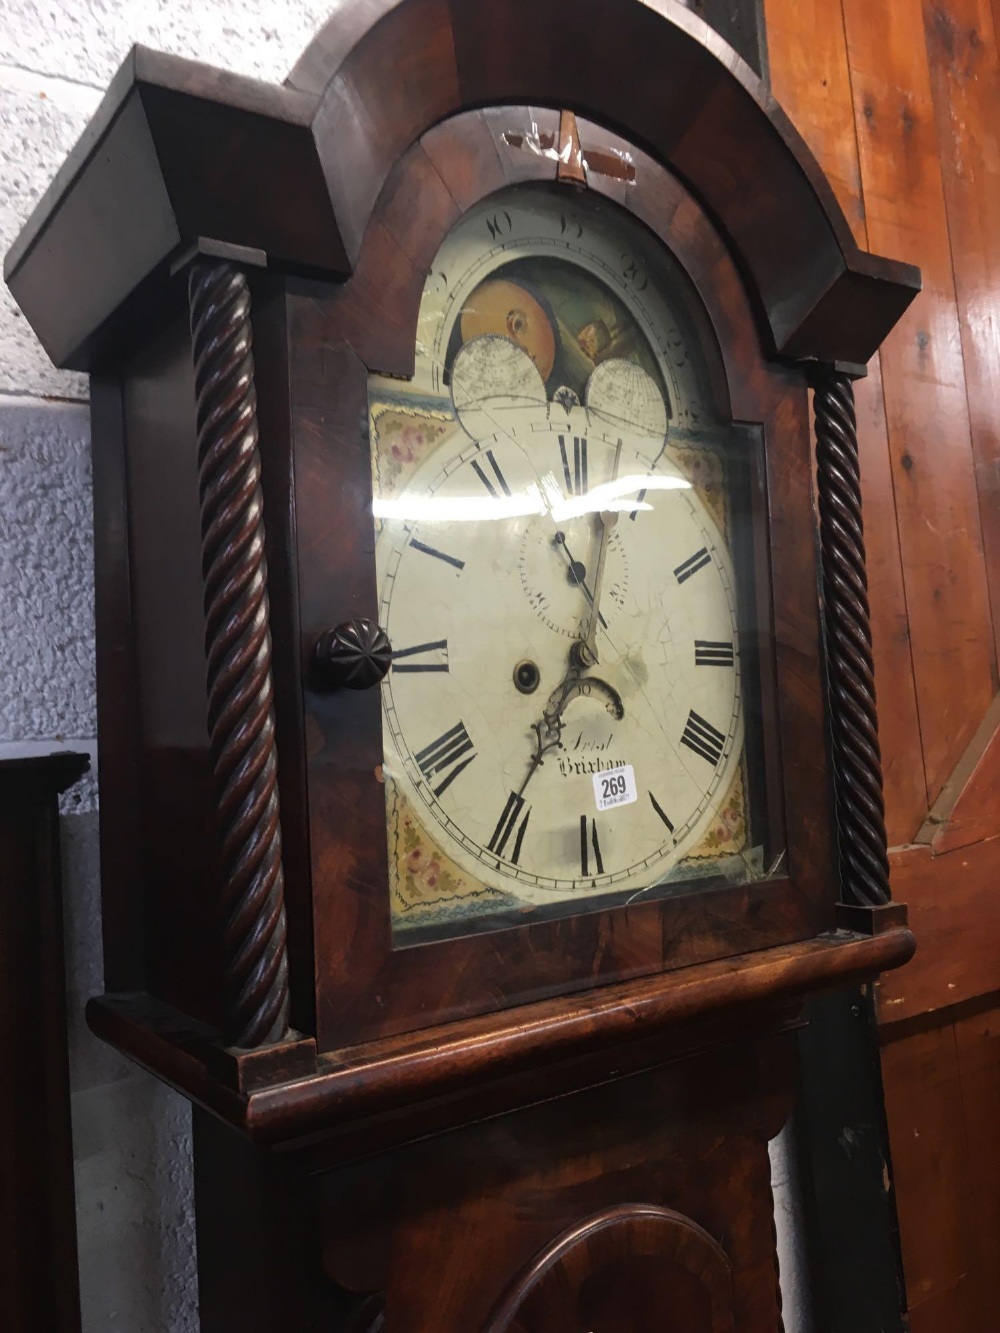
[808,51]
[610,1270]
[257,1269]
[923,374]
[176,803]
[929,1160]
[123,916]
[945,1312]
[952,901]
[688,1137]
[977,1040]
[895,684]
[812,82]
[930,457]
[427,1236]
[968,809]
[943,1099]
[965,78]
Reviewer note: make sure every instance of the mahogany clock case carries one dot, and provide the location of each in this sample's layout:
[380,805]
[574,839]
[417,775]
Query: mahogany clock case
[314,348]
[641,1194]
[603,1069]
[368,325]
[309,188]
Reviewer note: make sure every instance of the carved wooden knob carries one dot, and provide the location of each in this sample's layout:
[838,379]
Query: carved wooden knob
[353,656]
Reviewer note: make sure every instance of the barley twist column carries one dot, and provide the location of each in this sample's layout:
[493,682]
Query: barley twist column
[238,648]
[864,863]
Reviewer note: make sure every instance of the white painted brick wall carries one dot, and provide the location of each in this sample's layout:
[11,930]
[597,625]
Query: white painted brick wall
[132,1138]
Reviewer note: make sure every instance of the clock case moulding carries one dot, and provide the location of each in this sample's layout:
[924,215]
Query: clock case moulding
[332,193]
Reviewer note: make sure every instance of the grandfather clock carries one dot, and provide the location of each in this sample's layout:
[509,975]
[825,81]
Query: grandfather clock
[489,764]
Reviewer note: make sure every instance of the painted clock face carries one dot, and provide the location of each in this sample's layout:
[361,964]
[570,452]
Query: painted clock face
[564,719]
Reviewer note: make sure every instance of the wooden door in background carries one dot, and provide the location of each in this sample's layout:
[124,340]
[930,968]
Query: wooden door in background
[900,102]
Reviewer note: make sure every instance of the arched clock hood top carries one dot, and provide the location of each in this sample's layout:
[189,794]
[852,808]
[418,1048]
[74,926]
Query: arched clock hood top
[180,154]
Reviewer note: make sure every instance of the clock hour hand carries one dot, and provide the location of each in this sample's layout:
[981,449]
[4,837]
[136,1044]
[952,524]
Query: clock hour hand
[577,573]
[548,731]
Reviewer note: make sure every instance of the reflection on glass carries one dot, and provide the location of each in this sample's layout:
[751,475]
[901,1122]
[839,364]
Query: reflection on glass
[565,721]
[622,495]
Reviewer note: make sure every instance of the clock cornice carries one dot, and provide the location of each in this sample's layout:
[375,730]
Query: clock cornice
[181,155]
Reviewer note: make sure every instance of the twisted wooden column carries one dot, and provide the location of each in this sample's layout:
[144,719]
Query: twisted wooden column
[238,647]
[857,760]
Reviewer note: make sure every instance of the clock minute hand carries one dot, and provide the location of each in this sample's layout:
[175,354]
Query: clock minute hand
[586,649]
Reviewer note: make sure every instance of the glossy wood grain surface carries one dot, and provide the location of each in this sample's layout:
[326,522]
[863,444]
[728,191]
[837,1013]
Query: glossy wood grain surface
[591,1201]
[816,291]
[920,82]
[965,814]
[965,79]
[689,1137]
[947,1166]
[476,1104]
[611,1027]
[812,80]
[924,385]
[365,986]
[916,146]
[328,140]
[612,1269]
[952,901]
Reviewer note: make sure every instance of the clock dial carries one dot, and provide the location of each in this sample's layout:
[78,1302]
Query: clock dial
[564,717]
[482,758]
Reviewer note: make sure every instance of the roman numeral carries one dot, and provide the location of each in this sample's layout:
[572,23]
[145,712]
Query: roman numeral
[446,756]
[575,476]
[691,566]
[640,497]
[701,737]
[708,653]
[481,474]
[439,647]
[660,811]
[505,827]
[438,555]
[593,843]
[499,224]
